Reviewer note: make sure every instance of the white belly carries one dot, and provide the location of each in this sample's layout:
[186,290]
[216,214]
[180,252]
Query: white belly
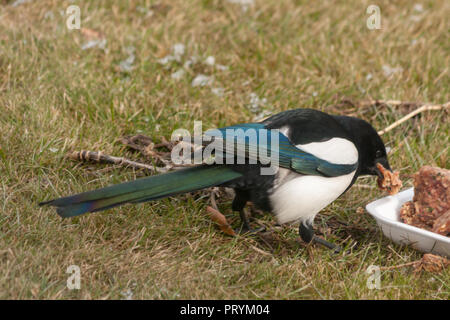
[300,197]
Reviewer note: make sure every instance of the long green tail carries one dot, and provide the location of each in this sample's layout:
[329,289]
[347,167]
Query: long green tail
[145,189]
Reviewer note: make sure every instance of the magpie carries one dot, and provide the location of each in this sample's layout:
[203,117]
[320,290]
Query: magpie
[319,158]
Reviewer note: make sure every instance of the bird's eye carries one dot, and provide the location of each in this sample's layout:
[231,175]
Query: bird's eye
[379,154]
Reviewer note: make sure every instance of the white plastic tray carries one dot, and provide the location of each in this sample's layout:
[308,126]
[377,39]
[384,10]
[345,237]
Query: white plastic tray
[386,212]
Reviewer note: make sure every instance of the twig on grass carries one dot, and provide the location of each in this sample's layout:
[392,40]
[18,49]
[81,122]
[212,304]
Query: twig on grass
[429,262]
[403,265]
[105,158]
[265,253]
[212,198]
[145,145]
[423,108]
[364,186]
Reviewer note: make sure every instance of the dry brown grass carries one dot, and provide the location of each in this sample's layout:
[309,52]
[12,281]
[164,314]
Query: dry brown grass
[58,98]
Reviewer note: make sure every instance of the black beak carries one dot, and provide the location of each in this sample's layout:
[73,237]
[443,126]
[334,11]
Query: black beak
[374,170]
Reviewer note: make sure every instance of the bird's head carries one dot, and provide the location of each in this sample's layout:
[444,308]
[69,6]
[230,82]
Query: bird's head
[370,147]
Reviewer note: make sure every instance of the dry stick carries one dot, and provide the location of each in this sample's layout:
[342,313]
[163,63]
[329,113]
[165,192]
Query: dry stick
[261,251]
[213,198]
[101,157]
[390,102]
[412,114]
[147,148]
[363,186]
[408,264]
[429,262]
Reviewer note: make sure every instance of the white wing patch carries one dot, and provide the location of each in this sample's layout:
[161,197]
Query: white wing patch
[335,150]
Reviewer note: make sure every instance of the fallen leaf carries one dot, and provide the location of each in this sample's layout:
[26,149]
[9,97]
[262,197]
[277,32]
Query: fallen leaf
[221,221]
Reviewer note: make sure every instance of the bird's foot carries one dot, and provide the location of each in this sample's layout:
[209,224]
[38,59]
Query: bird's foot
[306,232]
[329,245]
[246,229]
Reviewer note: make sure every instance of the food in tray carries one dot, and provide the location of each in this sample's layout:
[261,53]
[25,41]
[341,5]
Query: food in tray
[430,207]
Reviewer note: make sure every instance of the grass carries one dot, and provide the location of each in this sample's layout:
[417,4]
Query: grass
[56,97]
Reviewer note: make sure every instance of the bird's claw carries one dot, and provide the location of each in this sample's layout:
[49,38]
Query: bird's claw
[246,230]
[336,248]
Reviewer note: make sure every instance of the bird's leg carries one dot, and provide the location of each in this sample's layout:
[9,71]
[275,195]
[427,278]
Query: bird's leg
[238,204]
[306,232]
[244,220]
[245,227]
